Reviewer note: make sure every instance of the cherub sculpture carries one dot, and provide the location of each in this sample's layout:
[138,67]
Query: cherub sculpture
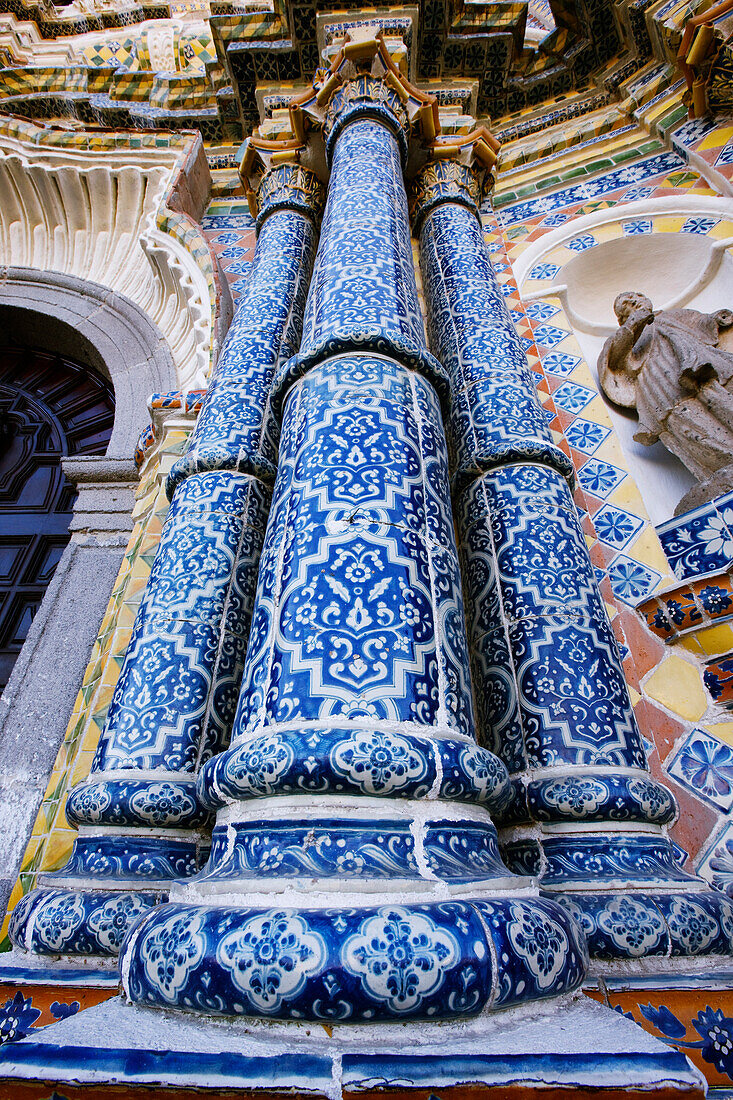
[670,368]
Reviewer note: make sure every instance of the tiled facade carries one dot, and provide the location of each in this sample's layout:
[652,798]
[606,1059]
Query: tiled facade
[479,680]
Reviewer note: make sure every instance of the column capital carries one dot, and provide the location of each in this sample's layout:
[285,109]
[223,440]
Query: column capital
[366,96]
[274,179]
[363,81]
[455,173]
[443,181]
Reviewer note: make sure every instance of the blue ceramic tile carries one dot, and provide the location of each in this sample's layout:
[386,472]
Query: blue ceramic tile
[543,954]
[596,476]
[540,311]
[580,244]
[704,765]
[619,926]
[639,225]
[548,335]
[543,271]
[700,541]
[572,397]
[54,922]
[630,580]
[586,436]
[616,527]
[699,225]
[560,363]
[394,962]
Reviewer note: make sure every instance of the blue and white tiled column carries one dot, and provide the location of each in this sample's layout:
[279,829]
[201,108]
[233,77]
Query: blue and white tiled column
[140,822]
[354,873]
[586,816]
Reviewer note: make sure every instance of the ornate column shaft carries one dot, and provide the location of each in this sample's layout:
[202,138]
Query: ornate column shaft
[354,873]
[140,822]
[586,816]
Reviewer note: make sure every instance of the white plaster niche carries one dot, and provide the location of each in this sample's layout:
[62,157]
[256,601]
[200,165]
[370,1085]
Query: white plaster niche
[674,269]
[94,216]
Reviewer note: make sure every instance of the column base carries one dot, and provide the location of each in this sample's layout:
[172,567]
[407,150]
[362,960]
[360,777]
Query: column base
[118,1049]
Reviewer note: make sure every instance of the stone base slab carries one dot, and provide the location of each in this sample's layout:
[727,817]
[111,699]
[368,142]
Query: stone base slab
[117,1049]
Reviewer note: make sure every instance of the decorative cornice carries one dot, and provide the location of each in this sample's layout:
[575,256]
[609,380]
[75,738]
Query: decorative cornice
[365,97]
[137,208]
[443,181]
[293,187]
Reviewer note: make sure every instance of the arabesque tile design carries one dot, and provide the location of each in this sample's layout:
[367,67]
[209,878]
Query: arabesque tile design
[356,687]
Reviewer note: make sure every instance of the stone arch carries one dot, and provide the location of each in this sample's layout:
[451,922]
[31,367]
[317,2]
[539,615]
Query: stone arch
[102,329]
[99,328]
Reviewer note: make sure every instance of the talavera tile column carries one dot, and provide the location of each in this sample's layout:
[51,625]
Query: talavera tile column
[586,816]
[354,873]
[140,821]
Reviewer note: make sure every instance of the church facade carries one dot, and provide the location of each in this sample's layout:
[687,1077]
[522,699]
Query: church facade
[366,510]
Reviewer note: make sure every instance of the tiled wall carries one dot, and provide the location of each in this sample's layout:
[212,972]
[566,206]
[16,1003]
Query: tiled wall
[230,229]
[689,738]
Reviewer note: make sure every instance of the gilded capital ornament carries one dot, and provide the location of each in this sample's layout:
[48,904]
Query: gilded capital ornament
[443,181]
[293,187]
[365,95]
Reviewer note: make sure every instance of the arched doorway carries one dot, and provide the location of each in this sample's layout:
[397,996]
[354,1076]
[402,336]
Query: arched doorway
[50,406]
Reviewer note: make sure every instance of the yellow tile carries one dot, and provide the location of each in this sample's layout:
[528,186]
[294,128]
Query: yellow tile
[607,232]
[58,849]
[127,613]
[677,685]
[15,895]
[716,640]
[648,550]
[34,845]
[722,230]
[81,768]
[596,410]
[627,496]
[40,827]
[667,224]
[691,644]
[718,137]
[91,738]
[722,730]
[118,648]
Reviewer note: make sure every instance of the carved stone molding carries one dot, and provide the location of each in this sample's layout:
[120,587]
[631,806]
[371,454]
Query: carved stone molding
[97,327]
[100,220]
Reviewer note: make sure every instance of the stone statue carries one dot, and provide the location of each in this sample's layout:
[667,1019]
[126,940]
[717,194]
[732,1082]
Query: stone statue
[670,368]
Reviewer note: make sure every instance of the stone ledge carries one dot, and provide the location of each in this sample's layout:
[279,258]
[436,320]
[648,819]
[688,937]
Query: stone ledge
[572,1045]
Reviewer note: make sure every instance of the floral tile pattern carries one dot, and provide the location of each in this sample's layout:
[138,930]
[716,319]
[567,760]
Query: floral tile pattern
[700,541]
[630,580]
[705,765]
[586,436]
[639,225]
[231,231]
[572,397]
[616,527]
